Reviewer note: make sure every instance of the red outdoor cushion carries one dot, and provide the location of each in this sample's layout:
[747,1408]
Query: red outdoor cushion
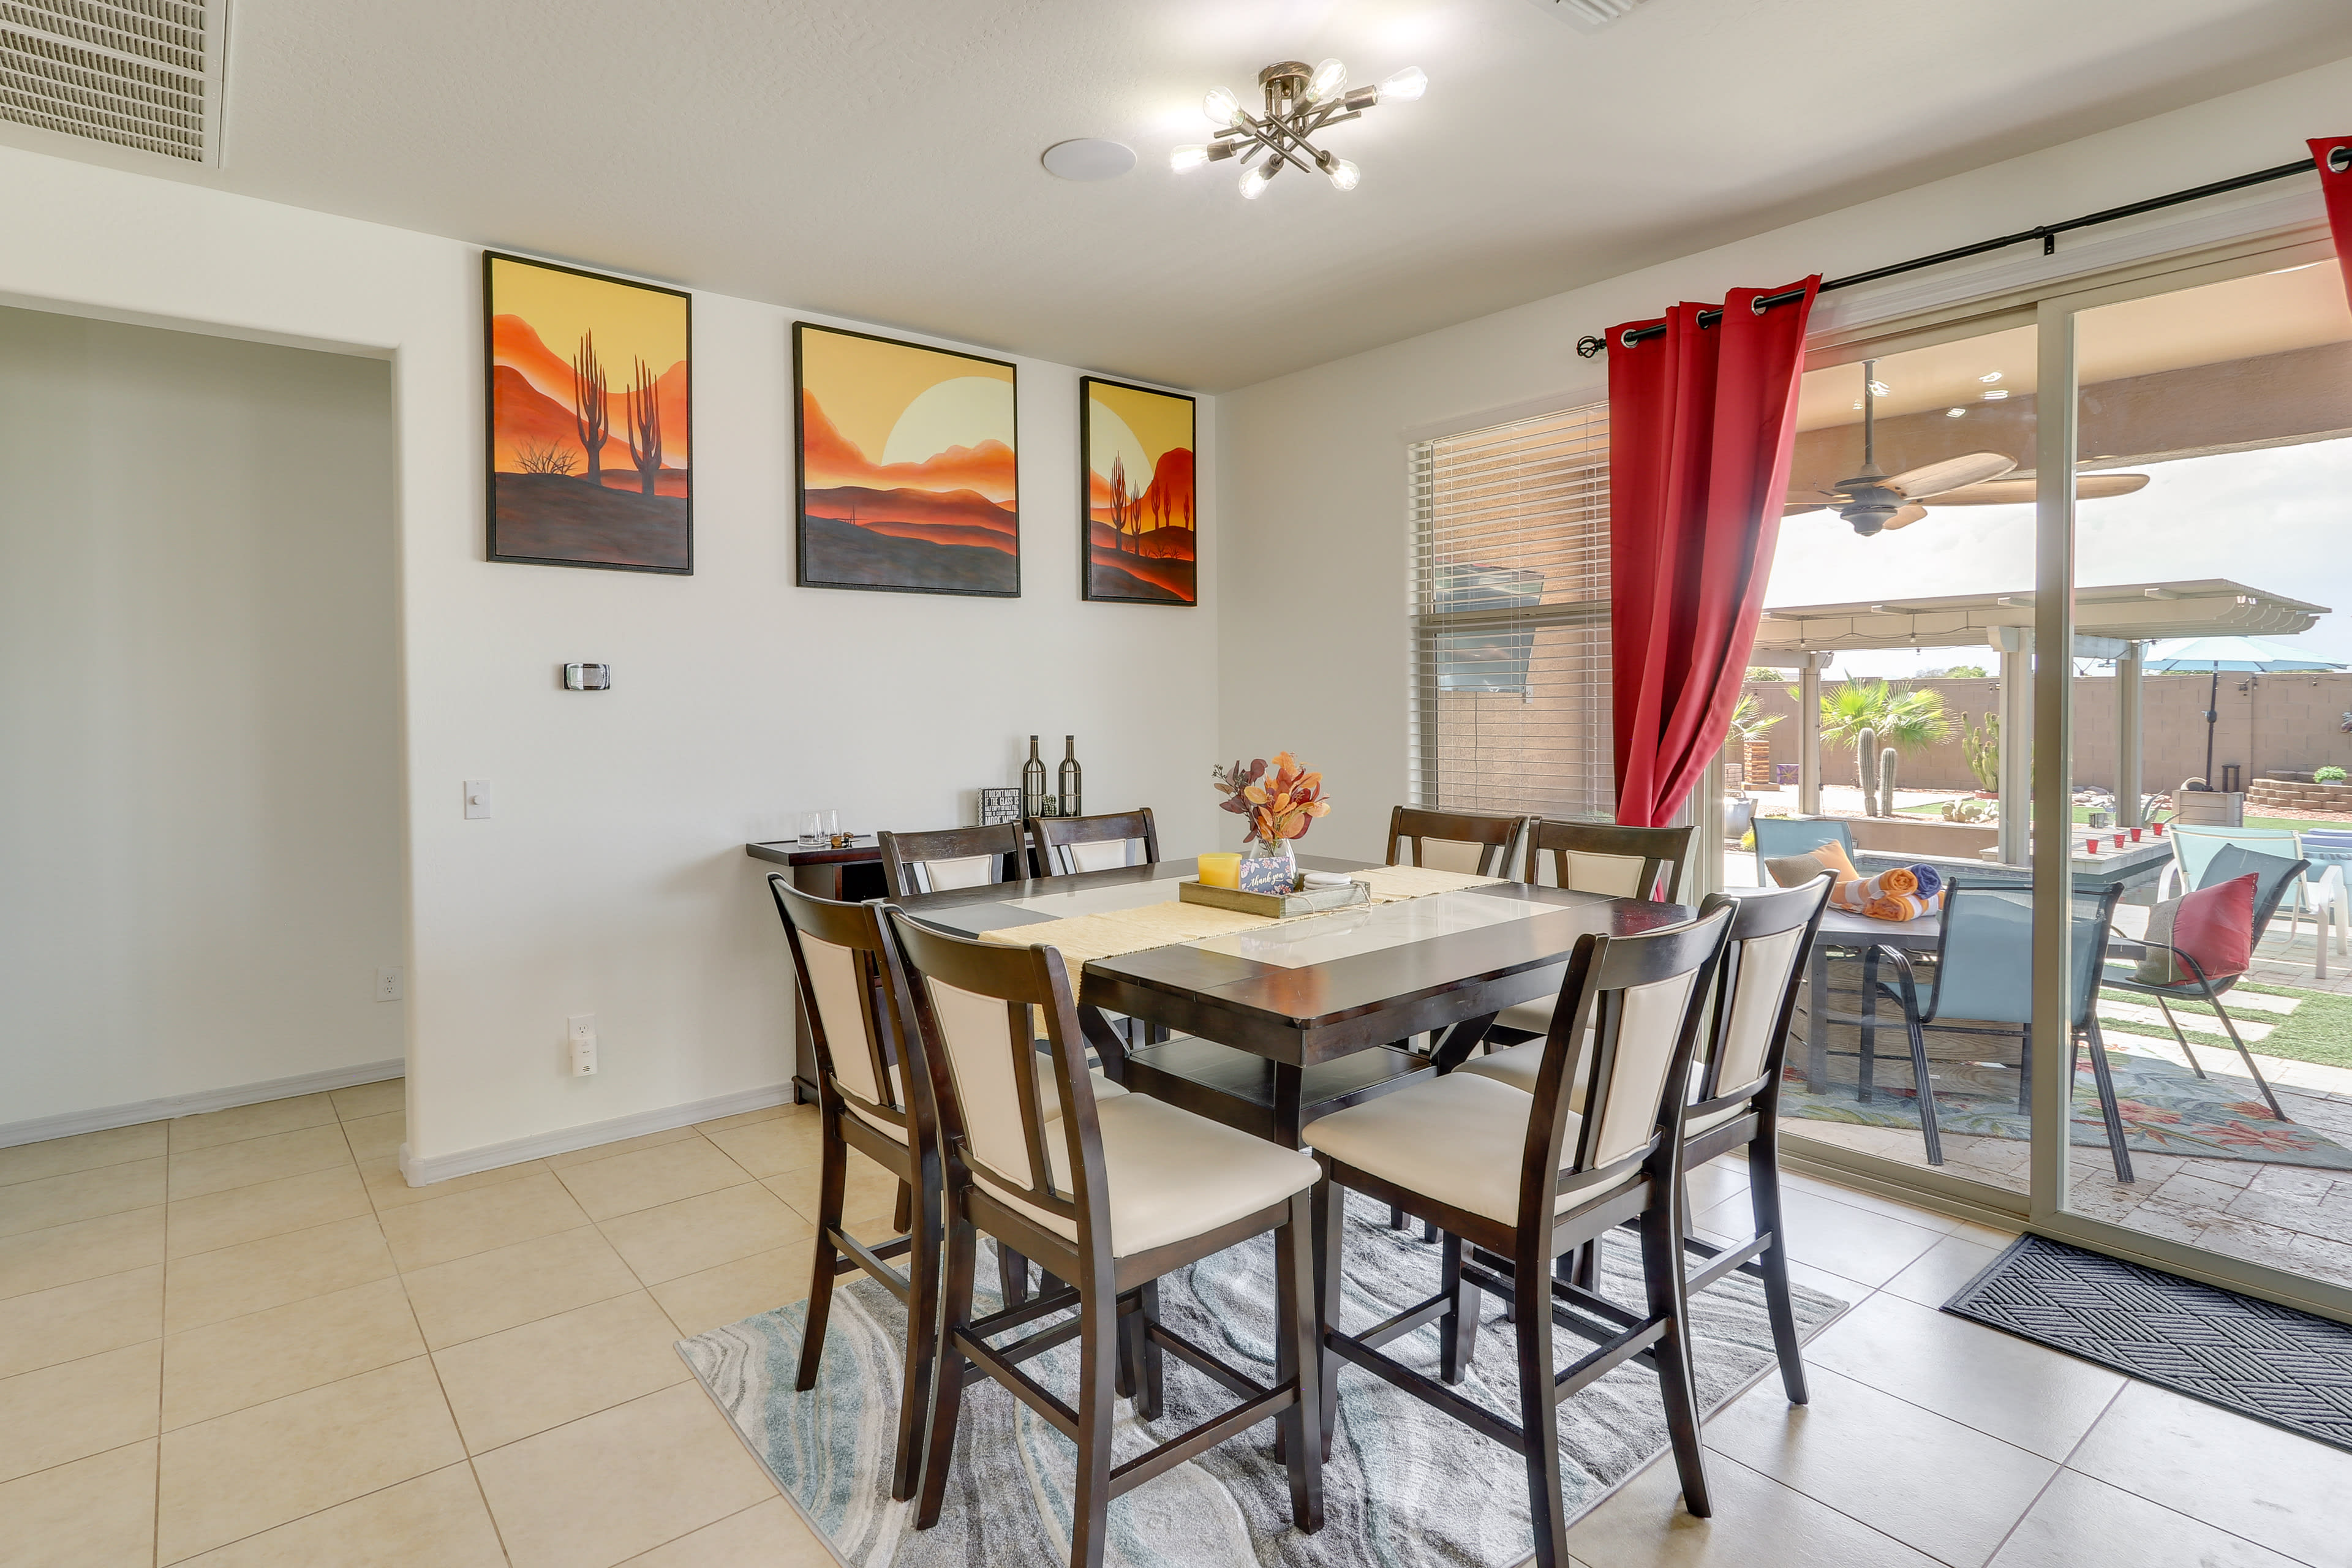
[2213,925]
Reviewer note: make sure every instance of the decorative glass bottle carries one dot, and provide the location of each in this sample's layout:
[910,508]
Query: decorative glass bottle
[1073,778]
[1034,801]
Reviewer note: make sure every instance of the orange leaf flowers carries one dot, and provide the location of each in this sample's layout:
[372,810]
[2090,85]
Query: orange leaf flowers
[1280,800]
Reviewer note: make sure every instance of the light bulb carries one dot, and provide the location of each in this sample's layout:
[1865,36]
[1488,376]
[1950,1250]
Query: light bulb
[1220,106]
[1404,86]
[1190,157]
[1344,174]
[1328,79]
[1254,183]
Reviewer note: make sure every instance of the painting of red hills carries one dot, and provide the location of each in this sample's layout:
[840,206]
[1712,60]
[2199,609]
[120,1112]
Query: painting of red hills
[907,482]
[1140,524]
[590,419]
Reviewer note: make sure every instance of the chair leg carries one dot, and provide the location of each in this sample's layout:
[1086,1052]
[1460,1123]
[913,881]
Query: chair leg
[902,1216]
[1928,1131]
[832,1177]
[1097,1400]
[2248,1057]
[1539,1406]
[1866,1082]
[2177,1035]
[1457,1332]
[1396,1217]
[2108,1113]
[1330,1235]
[1764,1195]
[1151,1381]
[922,1333]
[1011,1276]
[1298,1361]
[948,1371]
[1662,1273]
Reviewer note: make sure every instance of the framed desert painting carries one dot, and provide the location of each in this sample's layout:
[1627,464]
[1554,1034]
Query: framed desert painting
[1139,522]
[591,405]
[908,481]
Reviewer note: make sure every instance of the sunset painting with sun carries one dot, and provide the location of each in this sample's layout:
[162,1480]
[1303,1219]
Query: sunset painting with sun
[1140,521]
[906,472]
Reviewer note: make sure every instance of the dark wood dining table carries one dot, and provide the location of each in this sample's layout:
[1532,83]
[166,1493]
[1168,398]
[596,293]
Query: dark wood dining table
[1318,990]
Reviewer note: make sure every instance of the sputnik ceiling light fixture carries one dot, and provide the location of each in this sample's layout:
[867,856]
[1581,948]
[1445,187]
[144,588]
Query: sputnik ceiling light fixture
[1299,102]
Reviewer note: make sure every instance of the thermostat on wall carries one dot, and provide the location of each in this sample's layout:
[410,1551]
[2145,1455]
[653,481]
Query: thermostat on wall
[587,677]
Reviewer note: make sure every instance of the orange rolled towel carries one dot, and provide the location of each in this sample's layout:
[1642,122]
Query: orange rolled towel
[1898,907]
[1899,880]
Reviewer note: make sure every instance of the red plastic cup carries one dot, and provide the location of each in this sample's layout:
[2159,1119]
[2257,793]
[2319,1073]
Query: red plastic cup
[2091,847]
[2157,829]
[2119,840]
[2134,835]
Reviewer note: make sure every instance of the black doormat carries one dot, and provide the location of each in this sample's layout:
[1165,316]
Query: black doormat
[2270,1362]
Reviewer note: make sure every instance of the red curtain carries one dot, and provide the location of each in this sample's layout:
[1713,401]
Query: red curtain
[2336,187]
[1700,426]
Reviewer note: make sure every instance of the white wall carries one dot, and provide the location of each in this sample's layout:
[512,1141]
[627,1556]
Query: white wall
[200,800]
[613,879]
[1313,481]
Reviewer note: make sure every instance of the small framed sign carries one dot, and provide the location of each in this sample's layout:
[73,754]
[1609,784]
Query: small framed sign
[999,806]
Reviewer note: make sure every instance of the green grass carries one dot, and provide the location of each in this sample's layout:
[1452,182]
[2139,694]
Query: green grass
[2320,1030]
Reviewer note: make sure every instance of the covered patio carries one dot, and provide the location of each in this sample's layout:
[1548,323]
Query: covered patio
[2115,622]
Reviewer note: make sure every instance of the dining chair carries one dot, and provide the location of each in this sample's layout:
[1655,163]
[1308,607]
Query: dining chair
[2274,876]
[1474,843]
[1107,1196]
[2319,889]
[1067,845]
[1736,1103]
[951,857]
[1434,1149]
[1984,975]
[1592,858]
[841,953]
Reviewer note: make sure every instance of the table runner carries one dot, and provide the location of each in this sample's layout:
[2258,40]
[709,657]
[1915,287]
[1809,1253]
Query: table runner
[1083,938]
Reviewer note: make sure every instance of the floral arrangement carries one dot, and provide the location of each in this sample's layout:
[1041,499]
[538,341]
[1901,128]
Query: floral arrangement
[1278,802]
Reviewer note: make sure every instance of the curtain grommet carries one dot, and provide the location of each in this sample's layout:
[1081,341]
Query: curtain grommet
[2340,158]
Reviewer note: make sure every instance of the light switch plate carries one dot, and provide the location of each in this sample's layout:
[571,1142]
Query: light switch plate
[477,798]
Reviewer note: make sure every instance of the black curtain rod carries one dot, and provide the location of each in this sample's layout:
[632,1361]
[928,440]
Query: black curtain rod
[2338,159]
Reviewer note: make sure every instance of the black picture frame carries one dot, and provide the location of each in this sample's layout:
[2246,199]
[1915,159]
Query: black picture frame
[492,549]
[1086,584]
[802,577]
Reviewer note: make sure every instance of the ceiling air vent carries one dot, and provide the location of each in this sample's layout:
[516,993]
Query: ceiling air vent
[1586,13]
[143,74]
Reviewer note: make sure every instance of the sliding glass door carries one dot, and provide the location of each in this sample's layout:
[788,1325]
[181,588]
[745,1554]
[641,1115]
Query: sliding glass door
[2192,622]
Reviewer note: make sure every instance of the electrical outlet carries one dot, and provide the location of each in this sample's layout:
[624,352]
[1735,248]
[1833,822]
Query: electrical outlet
[581,1032]
[388,984]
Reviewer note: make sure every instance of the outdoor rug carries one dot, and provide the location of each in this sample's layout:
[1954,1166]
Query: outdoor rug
[2166,1108]
[2267,1362]
[1406,1486]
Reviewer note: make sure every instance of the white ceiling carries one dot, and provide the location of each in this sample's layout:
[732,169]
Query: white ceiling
[878,158]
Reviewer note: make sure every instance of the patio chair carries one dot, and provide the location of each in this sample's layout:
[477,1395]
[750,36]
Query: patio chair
[1779,836]
[2329,850]
[1984,975]
[2320,890]
[2274,876]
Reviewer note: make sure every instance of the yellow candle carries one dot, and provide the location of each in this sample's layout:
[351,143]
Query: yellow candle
[1220,870]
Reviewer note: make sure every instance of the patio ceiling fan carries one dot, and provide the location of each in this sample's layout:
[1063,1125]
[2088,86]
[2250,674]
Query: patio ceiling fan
[1873,499]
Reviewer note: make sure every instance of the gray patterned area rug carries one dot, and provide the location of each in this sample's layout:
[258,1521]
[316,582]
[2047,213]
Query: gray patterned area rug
[1407,1487]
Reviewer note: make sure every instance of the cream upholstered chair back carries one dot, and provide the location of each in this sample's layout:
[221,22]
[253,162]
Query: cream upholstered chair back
[838,951]
[1473,844]
[1069,845]
[1639,996]
[1603,857]
[950,858]
[1763,963]
[976,1006]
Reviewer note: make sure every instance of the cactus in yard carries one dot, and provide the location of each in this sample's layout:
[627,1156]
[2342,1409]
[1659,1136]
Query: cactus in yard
[1886,781]
[1981,745]
[1865,746]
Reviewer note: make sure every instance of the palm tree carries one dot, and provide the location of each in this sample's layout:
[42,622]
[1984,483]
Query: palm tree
[1909,722]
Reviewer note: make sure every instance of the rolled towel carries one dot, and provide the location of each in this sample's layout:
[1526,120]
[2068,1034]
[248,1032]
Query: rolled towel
[1901,879]
[1898,907]
[1930,881]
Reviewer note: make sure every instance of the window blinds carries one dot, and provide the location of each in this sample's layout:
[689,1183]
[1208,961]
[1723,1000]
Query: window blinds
[1510,618]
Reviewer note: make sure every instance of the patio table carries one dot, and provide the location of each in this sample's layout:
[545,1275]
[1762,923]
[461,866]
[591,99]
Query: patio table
[1841,927]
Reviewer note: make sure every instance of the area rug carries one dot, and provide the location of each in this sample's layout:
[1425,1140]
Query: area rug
[2270,1362]
[2166,1108]
[1406,1486]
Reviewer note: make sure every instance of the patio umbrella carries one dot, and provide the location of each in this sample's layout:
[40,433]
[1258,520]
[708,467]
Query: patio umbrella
[2258,656]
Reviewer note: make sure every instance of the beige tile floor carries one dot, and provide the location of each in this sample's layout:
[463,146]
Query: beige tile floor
[241,1340]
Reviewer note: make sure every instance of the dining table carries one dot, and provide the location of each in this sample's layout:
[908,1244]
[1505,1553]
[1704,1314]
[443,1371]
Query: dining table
[1303,996]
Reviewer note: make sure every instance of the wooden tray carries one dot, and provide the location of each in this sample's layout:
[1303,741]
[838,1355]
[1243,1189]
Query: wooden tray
[1277,906]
